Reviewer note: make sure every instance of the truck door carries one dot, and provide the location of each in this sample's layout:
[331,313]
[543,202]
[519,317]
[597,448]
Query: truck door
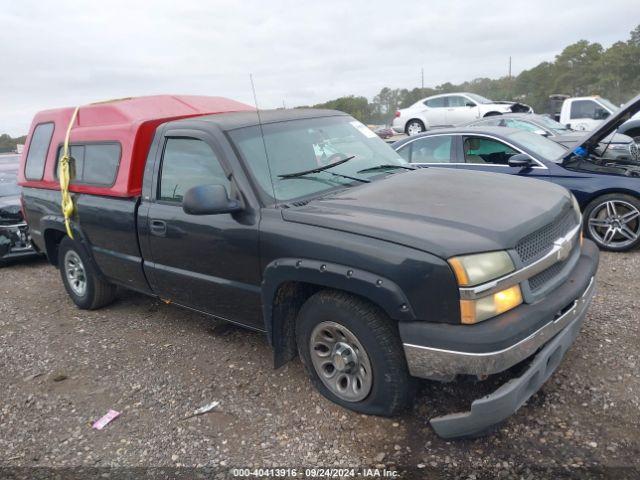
[206,262]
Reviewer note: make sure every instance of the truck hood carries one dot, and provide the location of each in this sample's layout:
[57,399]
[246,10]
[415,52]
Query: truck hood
[442,211]
[609,126]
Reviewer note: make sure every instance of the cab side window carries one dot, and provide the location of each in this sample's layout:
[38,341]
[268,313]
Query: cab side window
[587,109]
[435,149]
[186,163]
[486,151]
[92,164]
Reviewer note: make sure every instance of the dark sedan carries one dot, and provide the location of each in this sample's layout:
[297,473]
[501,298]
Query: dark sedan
[616,146]
[608,192]
[14,233]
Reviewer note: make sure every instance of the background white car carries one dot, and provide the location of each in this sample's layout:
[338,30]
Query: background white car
[448,110]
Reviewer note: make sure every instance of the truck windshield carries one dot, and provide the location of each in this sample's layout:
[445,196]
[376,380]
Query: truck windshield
[304,145]
[542,147]
[609,105]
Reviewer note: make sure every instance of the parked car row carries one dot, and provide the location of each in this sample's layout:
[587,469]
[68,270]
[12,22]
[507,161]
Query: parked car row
[449,110]
[607,188]
[617,147]
[15,241]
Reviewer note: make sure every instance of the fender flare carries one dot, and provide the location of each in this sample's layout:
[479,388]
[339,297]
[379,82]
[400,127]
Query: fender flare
[57,223]
[379,290]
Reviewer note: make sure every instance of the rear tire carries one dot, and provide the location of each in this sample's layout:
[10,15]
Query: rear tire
[414,127]
[85,286]
[612,221]
[357,350]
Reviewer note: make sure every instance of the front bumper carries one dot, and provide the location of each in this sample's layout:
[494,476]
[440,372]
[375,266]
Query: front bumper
[441,351]
[561,312]
[433,363]
[489,411]
[15,241]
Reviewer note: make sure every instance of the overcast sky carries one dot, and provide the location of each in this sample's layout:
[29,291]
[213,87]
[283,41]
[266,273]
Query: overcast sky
[64,53]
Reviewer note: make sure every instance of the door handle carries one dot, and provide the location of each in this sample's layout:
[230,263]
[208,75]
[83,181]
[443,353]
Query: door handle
[158,227]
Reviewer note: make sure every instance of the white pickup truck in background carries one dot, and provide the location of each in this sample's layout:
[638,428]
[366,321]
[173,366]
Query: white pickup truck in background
[585,113]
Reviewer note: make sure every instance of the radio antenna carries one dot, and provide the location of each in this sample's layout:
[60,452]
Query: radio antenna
[264,143]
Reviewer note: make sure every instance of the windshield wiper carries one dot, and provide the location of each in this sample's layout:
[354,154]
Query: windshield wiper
[317,169]
[385,166]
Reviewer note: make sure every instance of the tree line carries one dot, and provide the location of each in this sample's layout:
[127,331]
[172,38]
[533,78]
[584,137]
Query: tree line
[583,68]
[8,144]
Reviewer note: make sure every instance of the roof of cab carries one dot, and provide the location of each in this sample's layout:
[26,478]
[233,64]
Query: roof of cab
[131,122]
[232,121]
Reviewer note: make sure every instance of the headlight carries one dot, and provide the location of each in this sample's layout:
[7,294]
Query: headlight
[618,146]
[474,311]
[481,267]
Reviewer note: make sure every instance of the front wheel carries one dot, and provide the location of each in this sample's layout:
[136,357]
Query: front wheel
[85,286]
[613,222]
[414,127]
[353,354]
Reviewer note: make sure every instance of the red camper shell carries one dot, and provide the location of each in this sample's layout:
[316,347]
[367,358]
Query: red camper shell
[130,123]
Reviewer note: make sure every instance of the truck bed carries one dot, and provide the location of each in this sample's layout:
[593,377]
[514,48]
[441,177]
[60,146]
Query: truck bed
[108,225]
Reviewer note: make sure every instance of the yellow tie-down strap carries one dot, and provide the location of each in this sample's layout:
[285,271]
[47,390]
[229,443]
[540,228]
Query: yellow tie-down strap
[64,173]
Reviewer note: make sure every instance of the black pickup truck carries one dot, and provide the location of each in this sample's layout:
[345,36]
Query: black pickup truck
[303,224]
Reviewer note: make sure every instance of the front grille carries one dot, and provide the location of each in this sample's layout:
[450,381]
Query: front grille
[537,244]
[538,281]
[634,151]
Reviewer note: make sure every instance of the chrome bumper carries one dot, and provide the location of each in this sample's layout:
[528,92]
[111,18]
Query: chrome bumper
[427,362]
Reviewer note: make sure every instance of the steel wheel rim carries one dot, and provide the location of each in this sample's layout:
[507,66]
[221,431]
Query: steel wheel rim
[414,128]
[615,223]
[341,361]
[75,273]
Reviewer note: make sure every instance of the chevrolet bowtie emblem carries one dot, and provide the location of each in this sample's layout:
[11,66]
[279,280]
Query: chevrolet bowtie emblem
[564,248]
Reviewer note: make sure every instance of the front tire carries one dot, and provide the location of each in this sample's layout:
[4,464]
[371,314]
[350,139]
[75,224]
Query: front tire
[85,286]
[414,127]
[353,354]
[613,222]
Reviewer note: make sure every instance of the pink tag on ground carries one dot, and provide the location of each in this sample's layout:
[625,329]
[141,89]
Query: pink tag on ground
[105,420]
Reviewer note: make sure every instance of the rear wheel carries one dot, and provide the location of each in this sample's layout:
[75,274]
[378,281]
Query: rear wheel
[85,286]
[414,127]
[613,222]
[353,354]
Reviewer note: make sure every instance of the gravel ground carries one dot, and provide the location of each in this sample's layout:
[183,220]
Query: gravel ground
[62,368]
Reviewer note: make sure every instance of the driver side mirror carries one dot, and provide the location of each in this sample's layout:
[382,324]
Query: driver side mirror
[209,200]
[520,160]
[470,104]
